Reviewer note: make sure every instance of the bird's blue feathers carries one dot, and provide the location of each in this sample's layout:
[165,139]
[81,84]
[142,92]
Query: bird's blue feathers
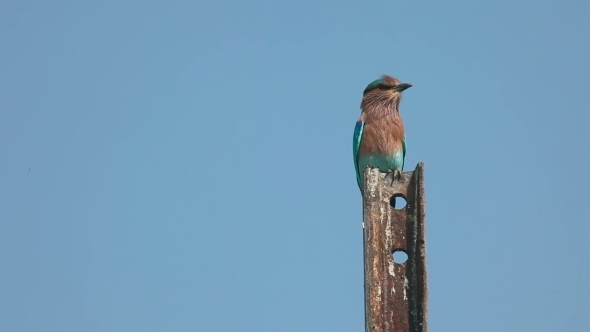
[373,85]
[356,143]
[404,157]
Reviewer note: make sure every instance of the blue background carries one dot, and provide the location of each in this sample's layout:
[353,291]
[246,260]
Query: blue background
[186,166]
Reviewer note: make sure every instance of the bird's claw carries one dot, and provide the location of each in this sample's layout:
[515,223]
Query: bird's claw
[396,174]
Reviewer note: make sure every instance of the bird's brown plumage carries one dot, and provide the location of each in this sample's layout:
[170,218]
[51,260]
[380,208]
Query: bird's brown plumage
[383,132]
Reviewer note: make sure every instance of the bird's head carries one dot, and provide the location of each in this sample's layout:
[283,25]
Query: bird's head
[387,86]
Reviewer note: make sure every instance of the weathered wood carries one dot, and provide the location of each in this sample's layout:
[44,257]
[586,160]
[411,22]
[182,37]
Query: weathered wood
[395,294]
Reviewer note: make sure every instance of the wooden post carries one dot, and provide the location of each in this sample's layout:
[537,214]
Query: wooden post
[395,293]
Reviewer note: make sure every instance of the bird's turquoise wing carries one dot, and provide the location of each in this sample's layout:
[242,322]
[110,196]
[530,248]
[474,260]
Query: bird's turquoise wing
[404,156]
[356,143]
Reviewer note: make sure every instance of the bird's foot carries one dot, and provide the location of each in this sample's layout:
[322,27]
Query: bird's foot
[396,174]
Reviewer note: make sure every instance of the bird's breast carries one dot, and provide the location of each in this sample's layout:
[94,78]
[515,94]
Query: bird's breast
[382,136]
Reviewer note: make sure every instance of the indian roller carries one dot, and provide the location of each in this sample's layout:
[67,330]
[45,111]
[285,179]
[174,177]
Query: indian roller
[379,139]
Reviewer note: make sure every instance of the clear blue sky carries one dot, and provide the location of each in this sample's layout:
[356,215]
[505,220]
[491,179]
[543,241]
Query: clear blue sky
[186,165]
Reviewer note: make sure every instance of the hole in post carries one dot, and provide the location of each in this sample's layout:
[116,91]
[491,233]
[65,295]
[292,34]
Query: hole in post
[397,201]
[399,256]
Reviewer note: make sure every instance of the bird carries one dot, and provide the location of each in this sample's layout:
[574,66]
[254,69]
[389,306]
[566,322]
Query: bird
[379,139]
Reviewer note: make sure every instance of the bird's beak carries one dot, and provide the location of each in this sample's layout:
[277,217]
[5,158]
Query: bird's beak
[402,86]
